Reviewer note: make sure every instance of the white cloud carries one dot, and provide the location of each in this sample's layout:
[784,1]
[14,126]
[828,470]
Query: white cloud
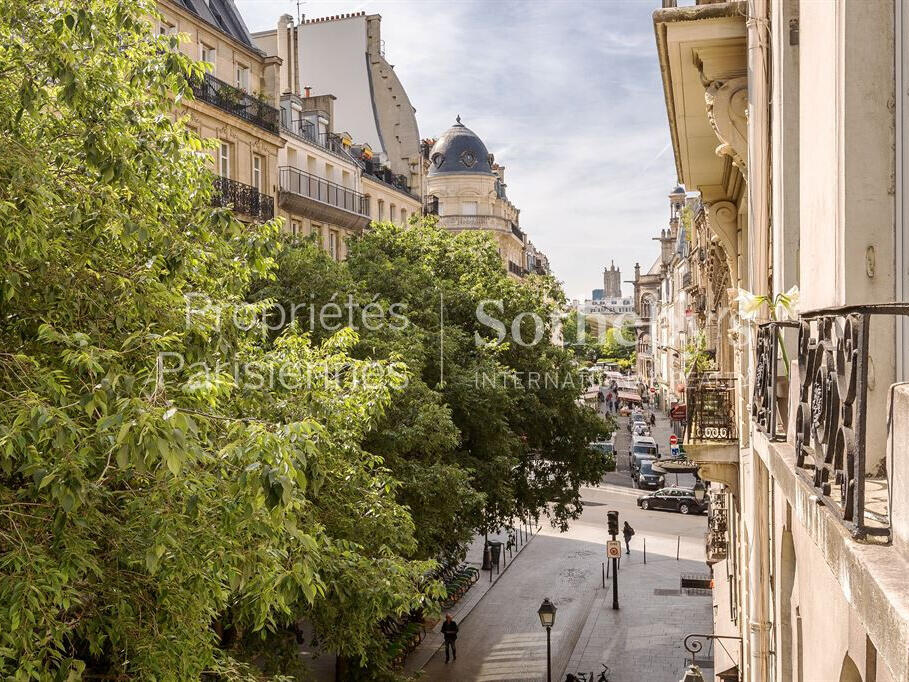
[566,94]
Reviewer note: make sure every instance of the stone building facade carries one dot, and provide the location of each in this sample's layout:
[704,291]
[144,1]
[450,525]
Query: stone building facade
[466,189]
[236,103]
[788,119]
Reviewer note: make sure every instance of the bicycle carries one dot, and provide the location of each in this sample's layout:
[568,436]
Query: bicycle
[583,677]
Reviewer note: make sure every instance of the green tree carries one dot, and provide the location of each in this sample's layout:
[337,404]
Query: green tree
[160,494]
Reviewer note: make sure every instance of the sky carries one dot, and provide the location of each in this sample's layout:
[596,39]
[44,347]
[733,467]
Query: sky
[566,94]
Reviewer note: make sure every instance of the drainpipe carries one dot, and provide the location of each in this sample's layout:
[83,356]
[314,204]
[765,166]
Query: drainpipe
[759,187]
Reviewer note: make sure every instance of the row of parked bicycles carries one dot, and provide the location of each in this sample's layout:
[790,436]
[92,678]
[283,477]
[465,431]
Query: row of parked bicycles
[405,633]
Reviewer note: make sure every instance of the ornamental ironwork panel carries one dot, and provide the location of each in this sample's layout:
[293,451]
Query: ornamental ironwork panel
[243,199]
[830,428]
[237,102]
[764,407]
[711,408]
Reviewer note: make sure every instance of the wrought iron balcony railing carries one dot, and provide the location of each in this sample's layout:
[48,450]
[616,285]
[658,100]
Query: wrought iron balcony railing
[312,186]
[516,269]
[243,198]
[767,410]
[237,102]
[831,419]
[710,409]
[306,131]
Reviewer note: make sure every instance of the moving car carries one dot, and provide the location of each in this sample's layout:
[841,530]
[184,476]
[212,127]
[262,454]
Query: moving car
[643,445]
[646,477]
[680,500]
[636,460]
[635,419]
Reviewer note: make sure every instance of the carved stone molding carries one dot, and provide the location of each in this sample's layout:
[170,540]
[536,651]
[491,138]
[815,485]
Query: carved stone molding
[723,219]
[727,106]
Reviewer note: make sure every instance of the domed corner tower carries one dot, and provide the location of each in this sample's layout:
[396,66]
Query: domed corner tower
[470,189]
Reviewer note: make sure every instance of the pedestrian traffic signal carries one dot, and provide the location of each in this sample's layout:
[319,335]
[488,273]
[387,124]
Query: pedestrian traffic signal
[612,519]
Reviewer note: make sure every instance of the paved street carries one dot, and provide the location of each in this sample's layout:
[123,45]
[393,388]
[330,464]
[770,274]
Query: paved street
[501,638]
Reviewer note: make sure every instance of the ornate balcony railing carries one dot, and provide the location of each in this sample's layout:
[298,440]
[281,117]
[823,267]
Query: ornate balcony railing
[306,131]
[516,269]
[432,206]
[766,410]
[710,409]
[831,419]
[717,525]
[237,102]
[306,184]
[243,198]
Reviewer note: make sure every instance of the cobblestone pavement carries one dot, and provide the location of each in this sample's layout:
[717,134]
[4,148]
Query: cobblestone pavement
[501,639]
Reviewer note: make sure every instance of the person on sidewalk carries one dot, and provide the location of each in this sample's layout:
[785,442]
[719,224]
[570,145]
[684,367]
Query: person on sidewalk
[450,631]
[652,419]
[628,532]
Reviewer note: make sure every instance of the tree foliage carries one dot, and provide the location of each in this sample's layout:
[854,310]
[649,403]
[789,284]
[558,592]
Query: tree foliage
[156,492]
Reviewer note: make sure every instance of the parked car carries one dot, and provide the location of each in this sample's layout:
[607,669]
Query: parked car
[636,418]
[643,445]
[680,500]
[645,476]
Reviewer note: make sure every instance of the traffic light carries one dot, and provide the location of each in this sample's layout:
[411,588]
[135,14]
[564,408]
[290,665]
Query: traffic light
[612,519]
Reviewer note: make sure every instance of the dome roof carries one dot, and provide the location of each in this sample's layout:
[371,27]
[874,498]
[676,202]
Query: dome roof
[459,150]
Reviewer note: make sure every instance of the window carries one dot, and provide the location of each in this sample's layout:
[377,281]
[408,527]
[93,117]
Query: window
[391,213]
[469,208]
[242,77]
[403,216]
[368,205]
[224,160]
[295,228]
[165,28]
[206,53]
[381,210]
[257,170]
[333,244]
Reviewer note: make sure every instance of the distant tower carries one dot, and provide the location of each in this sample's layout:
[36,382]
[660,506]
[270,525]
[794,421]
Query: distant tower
[612,282]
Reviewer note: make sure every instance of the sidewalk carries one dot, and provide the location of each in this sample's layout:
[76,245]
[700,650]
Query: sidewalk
[433,640]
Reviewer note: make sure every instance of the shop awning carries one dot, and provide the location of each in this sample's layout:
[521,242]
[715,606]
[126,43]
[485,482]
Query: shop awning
[629,396]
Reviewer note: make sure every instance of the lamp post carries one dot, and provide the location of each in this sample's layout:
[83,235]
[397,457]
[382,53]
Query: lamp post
[547,614]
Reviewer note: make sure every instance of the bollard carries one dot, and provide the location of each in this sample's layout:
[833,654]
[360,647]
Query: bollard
[603,566]
[607,569]
[645,550]
[678,544]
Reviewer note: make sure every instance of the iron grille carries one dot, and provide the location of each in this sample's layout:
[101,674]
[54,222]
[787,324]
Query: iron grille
[237,102]
[243,199]
[710,408]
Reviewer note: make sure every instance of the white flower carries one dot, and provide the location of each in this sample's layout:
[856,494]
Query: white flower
[787,305]
[749,304]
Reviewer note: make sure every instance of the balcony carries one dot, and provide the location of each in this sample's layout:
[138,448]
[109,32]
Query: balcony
[384,174]
[237,102]
[243,199]
[717,540]
[306,131]
[320,199]
[475,222]
[432,206]
[516,269]
[711,436]
[516,231]
[839,439]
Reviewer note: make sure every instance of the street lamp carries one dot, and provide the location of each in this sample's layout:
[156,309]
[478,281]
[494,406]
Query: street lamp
[547,613]
[699,491]
[693,674]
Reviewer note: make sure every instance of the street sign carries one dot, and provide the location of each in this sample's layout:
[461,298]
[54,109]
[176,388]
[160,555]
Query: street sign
[613,549]
[673,439]
[674,451]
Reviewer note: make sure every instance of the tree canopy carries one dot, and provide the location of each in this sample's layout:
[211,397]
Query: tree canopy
[177,485]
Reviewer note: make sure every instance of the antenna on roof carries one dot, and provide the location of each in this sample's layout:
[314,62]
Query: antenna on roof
[299,16]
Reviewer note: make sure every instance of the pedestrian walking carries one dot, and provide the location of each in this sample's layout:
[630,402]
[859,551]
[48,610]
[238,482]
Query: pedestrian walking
[652,419]
[450,632]
[628,532]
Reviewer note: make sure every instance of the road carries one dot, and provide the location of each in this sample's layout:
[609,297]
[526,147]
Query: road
[501,639]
